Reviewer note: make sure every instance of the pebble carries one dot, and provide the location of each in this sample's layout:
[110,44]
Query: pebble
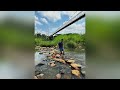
[62,71]
[40,53]
[83,72]
[52,62]
[58,76]
[70,61]
[35,77]
[57,56]
[44,60]
[76,66]
[37,72]
[76,72]
[52,65]
[41,74]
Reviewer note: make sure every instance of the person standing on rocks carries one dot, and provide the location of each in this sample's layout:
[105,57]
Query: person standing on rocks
[61,48]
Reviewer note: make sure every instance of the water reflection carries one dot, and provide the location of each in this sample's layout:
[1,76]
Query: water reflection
[39,57]
[79,57]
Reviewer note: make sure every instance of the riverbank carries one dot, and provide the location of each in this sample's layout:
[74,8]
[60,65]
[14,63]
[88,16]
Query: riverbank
[49,67]
[71,41]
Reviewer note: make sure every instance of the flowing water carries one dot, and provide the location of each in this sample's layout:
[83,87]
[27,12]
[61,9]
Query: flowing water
[49,72]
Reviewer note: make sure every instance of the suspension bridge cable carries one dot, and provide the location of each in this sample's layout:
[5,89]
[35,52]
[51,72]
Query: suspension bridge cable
[72,15]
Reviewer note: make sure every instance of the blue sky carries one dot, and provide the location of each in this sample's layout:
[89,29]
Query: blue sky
[47,22]
[26,16]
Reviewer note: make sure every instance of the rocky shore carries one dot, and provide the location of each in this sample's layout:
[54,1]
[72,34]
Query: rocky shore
[56,66]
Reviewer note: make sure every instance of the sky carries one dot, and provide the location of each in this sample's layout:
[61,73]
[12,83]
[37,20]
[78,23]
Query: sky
[106,15]
[26,16]
[47,22]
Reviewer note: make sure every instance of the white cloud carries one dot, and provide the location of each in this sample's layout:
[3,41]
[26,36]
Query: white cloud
[39,31]
[70,14]
[56,15]
[36,18]
[74,28]
[44,20]
[37,22]
[65,22]
[51,15]
[83,24]
[52,30]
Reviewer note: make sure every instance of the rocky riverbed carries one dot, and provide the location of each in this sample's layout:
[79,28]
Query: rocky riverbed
[49,64]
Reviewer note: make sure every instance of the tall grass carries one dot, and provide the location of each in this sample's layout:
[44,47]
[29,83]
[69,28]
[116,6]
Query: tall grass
[71,41]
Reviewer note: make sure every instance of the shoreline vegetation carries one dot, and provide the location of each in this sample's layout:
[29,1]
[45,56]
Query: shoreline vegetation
[72,42]
[16,34]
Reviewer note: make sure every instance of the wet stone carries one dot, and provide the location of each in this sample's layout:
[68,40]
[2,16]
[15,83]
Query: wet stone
[75,77]
[67,76]
[63,69]
[40,64]
[58,76]
[42,68]
[52,65]
[35,77]
[45,67]
[37,68]
[50,73]
[40,77]
[41,74]
[37,72]
[40,53]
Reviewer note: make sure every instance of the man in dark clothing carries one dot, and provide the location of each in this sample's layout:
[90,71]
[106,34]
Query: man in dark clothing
[61,48]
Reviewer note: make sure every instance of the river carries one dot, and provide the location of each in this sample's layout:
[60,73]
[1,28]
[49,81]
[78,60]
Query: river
[49,73]
[78,57]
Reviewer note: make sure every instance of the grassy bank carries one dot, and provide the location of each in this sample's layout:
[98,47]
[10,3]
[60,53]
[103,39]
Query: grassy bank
[71,41]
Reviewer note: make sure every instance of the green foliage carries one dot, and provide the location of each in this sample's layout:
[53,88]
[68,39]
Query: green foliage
[70,41]
[15,34]
[102,35]
[71,44]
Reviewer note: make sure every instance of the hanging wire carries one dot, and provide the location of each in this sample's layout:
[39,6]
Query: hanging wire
[77,14]
[73,14]
[72,18]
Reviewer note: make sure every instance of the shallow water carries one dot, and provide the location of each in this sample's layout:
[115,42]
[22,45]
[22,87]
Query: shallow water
[41,65]
[78,57]
[39,57]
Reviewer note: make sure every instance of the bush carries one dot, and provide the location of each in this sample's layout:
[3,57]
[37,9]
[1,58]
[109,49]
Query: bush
[71,44]
[71,41]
